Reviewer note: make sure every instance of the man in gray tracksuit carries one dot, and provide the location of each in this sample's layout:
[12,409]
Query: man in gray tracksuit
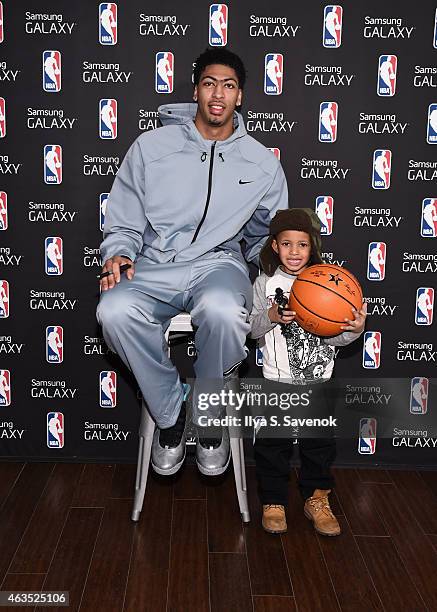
[184,198]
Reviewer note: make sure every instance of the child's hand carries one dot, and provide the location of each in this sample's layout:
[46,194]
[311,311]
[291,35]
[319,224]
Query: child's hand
[356,325]
[286,317]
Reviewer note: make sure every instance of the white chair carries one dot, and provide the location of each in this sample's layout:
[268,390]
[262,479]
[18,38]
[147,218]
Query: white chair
[182,323]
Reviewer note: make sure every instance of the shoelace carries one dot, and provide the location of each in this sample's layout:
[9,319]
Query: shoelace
[268,506]
[321,503]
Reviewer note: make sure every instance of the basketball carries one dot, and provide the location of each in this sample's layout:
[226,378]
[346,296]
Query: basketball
[322,296]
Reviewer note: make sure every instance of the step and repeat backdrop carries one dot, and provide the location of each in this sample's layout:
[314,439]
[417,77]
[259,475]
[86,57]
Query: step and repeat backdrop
[345,95]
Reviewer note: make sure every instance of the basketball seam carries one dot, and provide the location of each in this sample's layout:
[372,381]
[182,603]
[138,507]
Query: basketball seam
[327,289]
[350,277]
[315,313]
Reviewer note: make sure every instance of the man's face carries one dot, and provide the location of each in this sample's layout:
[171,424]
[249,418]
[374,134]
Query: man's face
[217,95]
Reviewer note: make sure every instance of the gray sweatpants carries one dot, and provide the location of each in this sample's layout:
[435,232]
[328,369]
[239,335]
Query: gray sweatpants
[134,315]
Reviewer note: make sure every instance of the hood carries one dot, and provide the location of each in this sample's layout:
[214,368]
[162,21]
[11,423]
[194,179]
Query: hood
[184,114]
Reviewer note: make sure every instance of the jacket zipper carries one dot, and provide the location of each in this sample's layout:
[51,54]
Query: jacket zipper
[211,165]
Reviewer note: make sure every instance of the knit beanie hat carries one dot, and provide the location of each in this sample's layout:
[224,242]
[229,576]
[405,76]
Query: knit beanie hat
[299,219]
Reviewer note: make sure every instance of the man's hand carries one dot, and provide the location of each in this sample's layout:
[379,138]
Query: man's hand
[113,265]
[356,325]
[286,317]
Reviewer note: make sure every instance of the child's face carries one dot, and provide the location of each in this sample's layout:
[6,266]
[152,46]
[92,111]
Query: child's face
[293,249]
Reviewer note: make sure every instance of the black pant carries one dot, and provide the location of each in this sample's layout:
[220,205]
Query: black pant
[272,456]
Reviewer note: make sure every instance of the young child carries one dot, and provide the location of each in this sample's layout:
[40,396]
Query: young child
[294,356]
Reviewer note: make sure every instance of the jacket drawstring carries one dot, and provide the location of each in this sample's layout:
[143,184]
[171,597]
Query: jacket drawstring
[205,155]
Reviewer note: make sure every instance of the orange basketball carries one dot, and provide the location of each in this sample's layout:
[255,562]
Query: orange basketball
[322,296]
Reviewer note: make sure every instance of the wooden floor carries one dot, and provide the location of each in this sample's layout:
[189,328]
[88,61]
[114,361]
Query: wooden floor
[68,527]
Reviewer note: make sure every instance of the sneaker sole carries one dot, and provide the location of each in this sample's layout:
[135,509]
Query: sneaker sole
[216,472]
[277,532]
[324,533]
[172,470]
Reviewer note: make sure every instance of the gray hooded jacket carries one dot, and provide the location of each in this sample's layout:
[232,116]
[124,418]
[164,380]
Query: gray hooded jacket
[178,196]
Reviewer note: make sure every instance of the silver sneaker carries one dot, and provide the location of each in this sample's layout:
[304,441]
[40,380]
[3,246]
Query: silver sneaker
[213,460]
[212,456]
[168,446]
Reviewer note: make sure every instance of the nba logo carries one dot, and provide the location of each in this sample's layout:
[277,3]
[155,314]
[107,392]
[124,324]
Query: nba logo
[164,73]
[4,299]
[424,306]
[431,131]
[419,395]
[328,122]
[53,256]
[376,259]
[2,118]
[259,357]
[1,23]
[53,164]
[5,388]
[102,209]
[273,74]
[54,344]
[218,25]
[381,170]
[372,350]
[332,26]
[325,212]
[55,430]
[435,31]
[108,119]
[428,225]
[3,210]
[387,67]
[51,71]
[367,437]
[108,389]
[108,28]
[276,152]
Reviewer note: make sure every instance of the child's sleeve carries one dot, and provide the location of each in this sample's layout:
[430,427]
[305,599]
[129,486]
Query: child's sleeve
[259,319]
[342,339]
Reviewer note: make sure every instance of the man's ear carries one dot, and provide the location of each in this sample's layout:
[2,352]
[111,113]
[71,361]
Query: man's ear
[240,97]
[195,94]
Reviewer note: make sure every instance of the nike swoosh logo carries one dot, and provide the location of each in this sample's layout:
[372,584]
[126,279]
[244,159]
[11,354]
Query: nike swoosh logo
[240,182]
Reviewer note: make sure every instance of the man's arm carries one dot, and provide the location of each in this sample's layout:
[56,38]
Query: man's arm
[125,219]
[257,228]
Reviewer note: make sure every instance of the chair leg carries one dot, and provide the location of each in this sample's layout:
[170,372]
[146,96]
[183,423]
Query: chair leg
[237,451]
[147,428]
[243,465]
[232,381]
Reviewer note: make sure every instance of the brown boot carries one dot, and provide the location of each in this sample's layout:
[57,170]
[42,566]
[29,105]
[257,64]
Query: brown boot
[274,520]
[318,510]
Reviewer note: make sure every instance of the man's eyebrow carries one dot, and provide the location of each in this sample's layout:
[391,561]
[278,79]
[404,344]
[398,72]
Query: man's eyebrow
[220,80]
